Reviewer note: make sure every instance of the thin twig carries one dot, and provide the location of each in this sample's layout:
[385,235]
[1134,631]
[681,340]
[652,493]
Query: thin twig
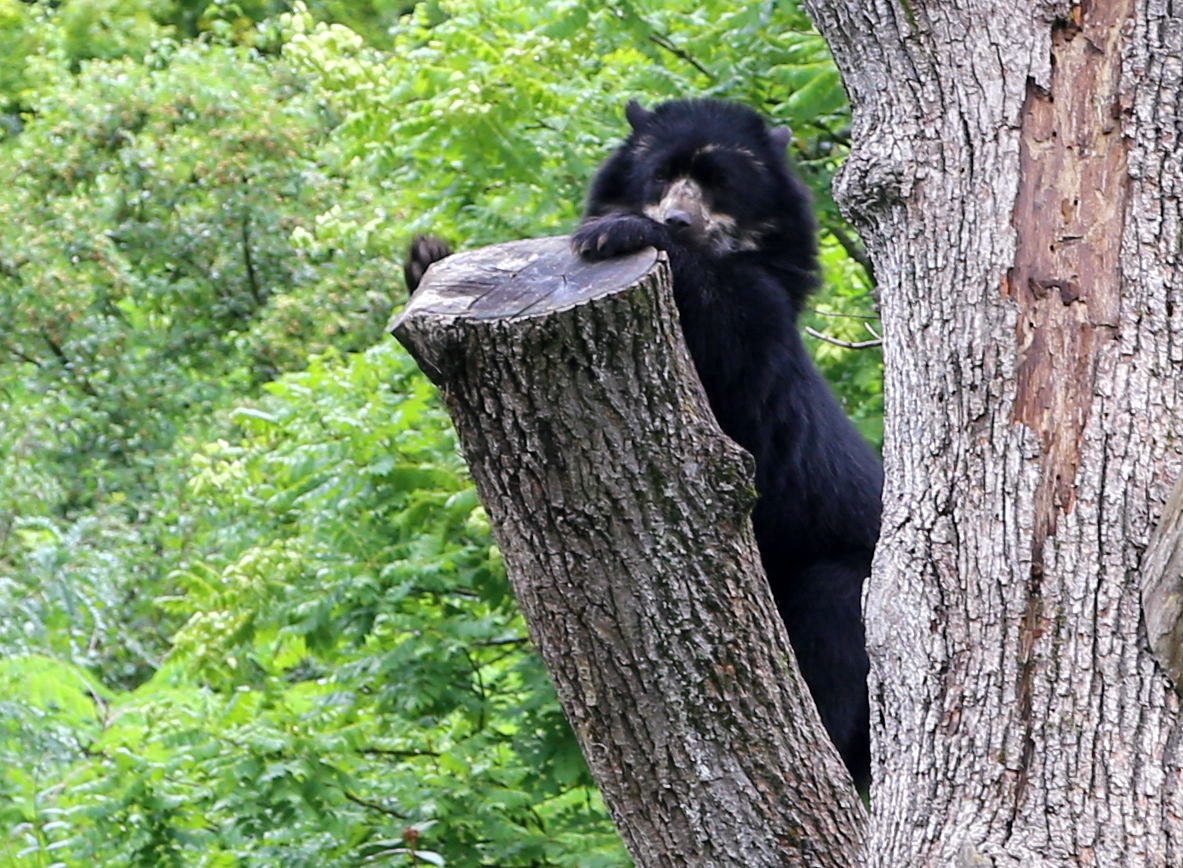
[67,364]
[493,643]
[843,315]
[366,803]
[850,345]
[248,260]
[400,754]
[24,358]
[669,46]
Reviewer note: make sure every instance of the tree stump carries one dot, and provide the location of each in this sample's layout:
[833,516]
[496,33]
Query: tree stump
[622,513]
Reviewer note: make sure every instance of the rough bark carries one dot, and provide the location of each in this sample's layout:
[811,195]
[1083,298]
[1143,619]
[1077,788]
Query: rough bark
[1016,176]
[622,510]
[1162,589]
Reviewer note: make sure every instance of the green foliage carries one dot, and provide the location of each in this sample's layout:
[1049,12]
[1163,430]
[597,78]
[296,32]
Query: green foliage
[489,122]
[107,29]
[492,130]
[251,610]
[151,270]
[17,42]
[843,313]
[350,666]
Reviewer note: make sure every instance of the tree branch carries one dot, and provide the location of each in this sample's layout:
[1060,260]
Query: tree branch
[68,364]
[668,45]
[850,345]
[399,754]
[366,803]
[22,356]
[252,277]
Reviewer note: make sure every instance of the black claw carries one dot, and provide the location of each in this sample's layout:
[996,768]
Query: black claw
[424,250]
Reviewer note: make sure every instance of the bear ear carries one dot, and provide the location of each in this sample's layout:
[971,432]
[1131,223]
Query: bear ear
[637,115]
[780,137]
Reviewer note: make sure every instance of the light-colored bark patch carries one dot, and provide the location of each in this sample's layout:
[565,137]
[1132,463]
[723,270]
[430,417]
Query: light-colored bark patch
[1069,217]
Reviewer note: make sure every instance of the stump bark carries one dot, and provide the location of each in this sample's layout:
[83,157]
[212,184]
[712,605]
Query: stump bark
[622,513]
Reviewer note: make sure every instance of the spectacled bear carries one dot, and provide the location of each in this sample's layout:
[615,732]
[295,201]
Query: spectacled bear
[707,182]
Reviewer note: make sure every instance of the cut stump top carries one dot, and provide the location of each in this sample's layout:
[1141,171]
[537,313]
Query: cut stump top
[525,278]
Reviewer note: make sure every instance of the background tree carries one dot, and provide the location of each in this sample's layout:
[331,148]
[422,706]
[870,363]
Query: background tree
[1015,175]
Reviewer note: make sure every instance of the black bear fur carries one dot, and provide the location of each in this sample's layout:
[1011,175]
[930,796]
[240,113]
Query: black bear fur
[707,182]
[422,252]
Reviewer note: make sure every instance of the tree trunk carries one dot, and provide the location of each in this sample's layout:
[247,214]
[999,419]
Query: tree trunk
[622,513]
[1016,176]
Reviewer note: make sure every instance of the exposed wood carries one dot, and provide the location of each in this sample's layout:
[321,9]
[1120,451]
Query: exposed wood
[1162,588]
[1066,280]
[622,512]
